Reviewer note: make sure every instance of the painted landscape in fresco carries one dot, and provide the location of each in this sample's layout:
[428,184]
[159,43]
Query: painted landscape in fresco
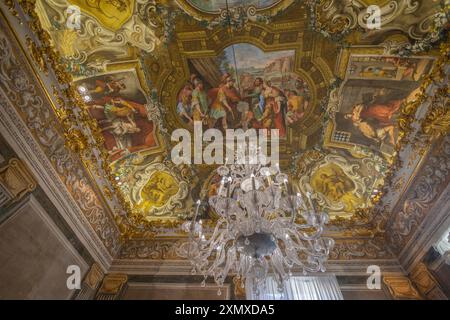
[371,98]
[118,103]
[244,87]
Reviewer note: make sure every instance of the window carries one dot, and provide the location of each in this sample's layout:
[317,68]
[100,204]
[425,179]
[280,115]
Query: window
[324,287]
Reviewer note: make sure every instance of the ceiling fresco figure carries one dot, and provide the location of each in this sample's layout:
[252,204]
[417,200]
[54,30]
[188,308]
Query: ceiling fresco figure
[246,88]
[332,182]
[370,100]
[159,189]
[119,106]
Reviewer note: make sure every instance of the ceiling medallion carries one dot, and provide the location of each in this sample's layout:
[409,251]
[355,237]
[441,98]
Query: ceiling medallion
[263,226]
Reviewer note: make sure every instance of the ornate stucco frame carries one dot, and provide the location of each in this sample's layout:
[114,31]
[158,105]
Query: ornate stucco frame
[203,15]
[208,44]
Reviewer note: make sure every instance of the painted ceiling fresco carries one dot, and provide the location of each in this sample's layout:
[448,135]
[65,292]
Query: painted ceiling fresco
[253,85]
[370,99]
[145,69]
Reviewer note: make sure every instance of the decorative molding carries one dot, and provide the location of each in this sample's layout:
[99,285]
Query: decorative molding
[15,182]
[159,256]
[151,249]
[182,289]
[422,158]
[91,283]
[344,249]
[421,197]
[57,170]
[420,24]
[351,249]
[79,131]
[94,277]
[401,288]
[239,288]
[112,286]
[426,283]
[237,15]
[133,31]
[427,234]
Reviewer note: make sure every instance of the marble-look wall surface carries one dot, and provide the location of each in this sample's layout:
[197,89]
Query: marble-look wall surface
[174,291]
[364,294]
[355,288]
[34,255]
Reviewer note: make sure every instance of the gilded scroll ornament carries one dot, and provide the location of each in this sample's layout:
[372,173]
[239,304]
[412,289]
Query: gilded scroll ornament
[426,282]
[29,99]
[401,288]
[425,24]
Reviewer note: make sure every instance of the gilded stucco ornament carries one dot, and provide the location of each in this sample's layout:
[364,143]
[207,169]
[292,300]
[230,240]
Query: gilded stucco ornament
[419,200]
[236,17]
[98,28]
[412,131]
[422,22]
[37,55]
[15,182]
[346,188]
[80,130]
[336,184]
[401,288]
[25,93]
[436,32]
[437,120]
[158,189]
[217,14]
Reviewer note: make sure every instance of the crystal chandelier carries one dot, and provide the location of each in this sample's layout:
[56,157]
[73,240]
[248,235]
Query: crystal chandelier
[263,227]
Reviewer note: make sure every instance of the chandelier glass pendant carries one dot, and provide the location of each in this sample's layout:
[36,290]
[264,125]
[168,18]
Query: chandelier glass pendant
[263,228]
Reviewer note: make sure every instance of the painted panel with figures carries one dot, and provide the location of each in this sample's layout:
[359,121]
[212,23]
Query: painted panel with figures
[371,98]
[119,105]
[244,87]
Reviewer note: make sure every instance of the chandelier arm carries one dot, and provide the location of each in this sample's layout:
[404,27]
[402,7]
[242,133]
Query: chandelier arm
[216,231]
[277,263]
[231,256]
[258,230]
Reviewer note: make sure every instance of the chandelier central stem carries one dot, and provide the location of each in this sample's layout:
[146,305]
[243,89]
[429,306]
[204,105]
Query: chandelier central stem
[258,232]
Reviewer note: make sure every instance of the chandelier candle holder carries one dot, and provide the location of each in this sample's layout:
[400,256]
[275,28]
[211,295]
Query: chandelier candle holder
[264,228]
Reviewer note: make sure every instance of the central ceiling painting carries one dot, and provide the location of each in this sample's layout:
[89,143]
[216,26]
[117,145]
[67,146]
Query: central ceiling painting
[244,87]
